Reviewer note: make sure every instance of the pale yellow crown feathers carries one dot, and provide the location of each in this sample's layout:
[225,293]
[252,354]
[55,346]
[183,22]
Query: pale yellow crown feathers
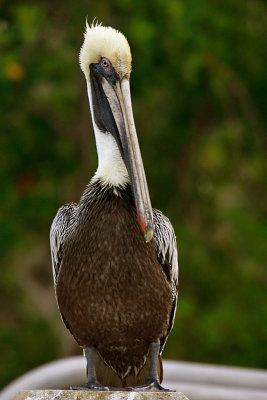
[101,41]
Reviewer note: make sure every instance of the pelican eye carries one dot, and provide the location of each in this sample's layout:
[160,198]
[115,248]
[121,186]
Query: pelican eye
[105,62]
[107,70]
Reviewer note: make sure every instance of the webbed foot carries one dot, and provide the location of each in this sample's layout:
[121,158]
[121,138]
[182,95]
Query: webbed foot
[151,385]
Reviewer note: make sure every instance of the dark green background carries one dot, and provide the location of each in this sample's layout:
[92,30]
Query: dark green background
[199,97]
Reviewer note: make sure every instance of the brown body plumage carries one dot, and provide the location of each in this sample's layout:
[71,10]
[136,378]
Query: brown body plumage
[111,289]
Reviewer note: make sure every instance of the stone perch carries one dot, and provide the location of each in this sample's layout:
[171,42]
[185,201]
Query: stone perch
[96,395]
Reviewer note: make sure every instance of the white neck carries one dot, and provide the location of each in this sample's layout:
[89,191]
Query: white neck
[111,170]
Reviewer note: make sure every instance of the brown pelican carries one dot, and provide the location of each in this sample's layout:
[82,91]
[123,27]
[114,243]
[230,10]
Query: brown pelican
[114,257]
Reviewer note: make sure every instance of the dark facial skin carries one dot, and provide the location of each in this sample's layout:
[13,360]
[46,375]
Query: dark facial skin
[102,112]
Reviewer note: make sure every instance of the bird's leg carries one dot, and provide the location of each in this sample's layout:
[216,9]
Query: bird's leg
[92,383]
[152,382]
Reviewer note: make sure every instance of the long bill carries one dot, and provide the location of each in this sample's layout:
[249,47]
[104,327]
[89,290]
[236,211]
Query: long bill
[119,98]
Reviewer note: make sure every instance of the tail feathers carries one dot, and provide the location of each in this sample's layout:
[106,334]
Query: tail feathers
[108,377]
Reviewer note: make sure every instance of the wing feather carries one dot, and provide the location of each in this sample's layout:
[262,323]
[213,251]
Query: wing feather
[168,257]
[166,244]
[58,232]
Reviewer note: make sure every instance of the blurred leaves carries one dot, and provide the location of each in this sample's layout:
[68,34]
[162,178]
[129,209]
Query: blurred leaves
[199,97]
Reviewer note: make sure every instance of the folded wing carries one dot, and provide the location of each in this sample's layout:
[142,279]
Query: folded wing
[168,257]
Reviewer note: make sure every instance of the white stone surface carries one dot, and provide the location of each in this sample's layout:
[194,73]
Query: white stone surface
[94,395]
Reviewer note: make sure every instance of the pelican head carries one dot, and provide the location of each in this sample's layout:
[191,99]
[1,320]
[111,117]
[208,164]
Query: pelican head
[106,42]
[105,59]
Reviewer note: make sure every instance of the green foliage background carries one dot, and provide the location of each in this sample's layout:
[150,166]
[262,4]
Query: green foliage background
[198,87]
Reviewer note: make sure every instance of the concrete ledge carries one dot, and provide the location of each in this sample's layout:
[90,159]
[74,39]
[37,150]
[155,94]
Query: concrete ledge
[91,395]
